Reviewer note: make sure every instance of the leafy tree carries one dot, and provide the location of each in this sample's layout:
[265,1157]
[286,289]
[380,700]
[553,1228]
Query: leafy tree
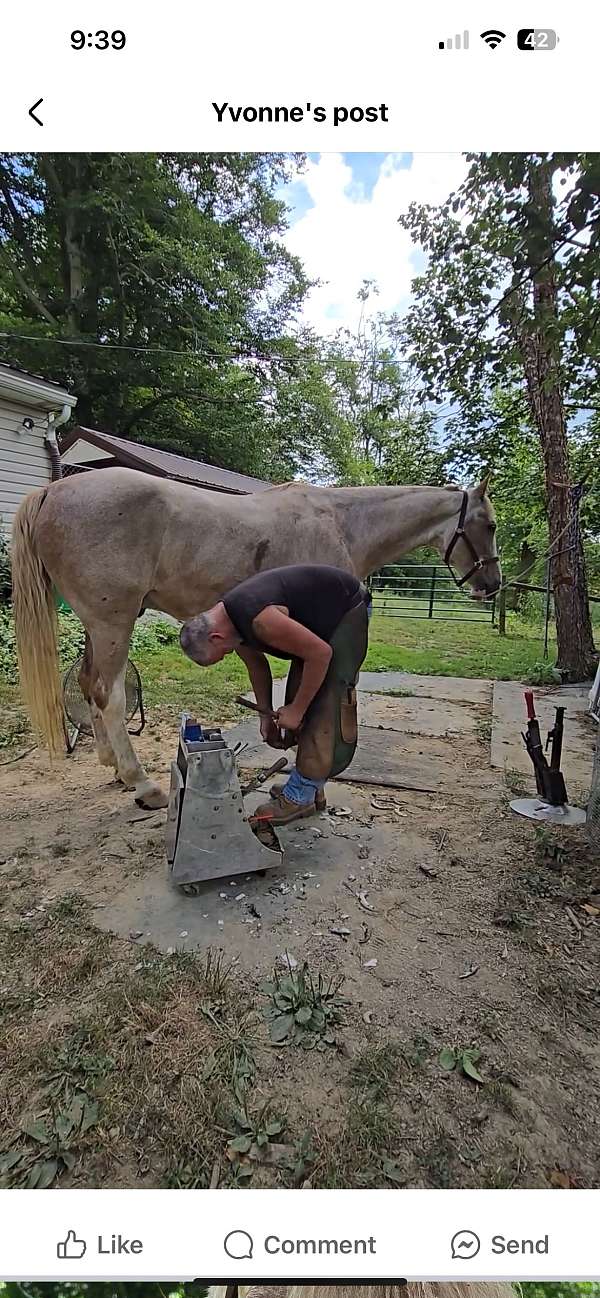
[383,435]
[509,301]
[175,263]
[563,1289]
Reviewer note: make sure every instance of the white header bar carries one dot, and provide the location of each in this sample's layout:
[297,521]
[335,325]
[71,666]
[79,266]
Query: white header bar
[299,1234]
[347,75]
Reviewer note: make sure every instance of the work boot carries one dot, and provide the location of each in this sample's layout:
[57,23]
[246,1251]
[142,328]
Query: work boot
[282,811]
[320,799]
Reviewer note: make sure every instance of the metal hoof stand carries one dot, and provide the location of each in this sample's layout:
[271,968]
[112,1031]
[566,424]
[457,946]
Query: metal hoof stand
[207,833]
[551,804]
[537,809]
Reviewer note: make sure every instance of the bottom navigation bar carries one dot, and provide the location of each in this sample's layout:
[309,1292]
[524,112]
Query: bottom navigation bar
[332,1234]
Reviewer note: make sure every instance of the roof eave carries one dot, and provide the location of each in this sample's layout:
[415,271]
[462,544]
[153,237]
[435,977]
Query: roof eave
[22,388]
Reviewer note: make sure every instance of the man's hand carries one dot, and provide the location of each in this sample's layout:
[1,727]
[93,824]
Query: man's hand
[270,733]
[289,718]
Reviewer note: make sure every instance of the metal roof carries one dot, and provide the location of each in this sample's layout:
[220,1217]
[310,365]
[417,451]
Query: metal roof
[166,464]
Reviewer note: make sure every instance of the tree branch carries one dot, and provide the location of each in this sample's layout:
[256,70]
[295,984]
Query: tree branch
[138,414]
[26,289]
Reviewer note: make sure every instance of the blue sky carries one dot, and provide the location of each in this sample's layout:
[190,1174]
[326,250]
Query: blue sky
[344,213]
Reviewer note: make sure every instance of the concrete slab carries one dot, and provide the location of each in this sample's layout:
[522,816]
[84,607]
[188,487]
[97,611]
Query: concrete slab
[509,720]
[418,715]
[413,742]
[421,714]
[381,757]
[423,763]
[456,689]
[319,855]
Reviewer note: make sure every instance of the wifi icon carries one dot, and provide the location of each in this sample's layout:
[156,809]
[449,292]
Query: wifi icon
[493,38]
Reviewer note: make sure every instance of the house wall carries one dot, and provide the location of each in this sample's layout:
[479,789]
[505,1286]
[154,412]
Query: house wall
[24,460]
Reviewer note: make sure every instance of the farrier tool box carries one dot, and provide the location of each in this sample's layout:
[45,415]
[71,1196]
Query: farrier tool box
[207,831]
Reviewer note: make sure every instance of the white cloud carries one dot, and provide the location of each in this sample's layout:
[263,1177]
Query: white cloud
[348,236]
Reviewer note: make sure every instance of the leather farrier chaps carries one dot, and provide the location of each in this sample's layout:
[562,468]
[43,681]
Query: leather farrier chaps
[329,735]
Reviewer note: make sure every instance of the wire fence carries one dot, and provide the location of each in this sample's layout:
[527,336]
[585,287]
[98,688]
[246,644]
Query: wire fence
[425,591]
[546,608]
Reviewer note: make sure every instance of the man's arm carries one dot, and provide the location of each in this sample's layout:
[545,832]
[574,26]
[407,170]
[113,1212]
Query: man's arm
[282,632]
[260,676]
[262,684]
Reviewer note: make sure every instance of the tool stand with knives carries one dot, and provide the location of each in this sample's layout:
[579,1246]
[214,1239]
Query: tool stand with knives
[552,804]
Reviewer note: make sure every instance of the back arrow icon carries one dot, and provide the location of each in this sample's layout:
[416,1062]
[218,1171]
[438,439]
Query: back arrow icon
[32,111]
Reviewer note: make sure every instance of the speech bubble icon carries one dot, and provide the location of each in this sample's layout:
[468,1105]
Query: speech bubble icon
[465,1244]
[238,1244]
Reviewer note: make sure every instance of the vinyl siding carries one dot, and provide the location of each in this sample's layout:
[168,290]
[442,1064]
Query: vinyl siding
[24,460]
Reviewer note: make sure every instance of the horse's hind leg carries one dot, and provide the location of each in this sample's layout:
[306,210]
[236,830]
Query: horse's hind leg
[106,756]
[110,646]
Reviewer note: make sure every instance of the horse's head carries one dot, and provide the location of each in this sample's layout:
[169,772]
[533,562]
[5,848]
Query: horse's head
[469,543]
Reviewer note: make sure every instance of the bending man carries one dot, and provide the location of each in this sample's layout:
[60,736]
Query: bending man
[316,616]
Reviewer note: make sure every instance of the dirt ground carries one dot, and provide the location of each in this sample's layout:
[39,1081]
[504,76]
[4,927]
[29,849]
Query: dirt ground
[458,947]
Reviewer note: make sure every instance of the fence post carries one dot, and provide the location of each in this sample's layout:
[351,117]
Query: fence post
[432,591]
[502,611]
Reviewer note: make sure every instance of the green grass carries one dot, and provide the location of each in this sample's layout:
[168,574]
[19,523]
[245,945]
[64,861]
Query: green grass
[170,677]
[432,648]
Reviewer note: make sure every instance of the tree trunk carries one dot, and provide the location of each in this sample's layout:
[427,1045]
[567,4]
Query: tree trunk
[540,349]
[525,562]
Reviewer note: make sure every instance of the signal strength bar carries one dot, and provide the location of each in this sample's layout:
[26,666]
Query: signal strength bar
[457,42]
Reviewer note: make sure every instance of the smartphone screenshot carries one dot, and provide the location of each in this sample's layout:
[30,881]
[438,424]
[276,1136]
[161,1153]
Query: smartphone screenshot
[299,632]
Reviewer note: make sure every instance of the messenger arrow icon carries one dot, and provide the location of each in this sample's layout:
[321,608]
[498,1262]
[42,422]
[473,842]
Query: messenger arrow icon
[32,111]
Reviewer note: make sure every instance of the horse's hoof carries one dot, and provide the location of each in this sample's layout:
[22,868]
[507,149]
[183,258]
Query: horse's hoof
[152,799]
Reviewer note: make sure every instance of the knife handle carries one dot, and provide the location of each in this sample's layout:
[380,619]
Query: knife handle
[529,704]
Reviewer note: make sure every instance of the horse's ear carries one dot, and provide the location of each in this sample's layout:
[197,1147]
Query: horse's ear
[483,486]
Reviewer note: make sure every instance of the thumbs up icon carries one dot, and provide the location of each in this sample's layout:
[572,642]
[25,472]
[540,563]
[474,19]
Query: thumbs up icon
[71,1247]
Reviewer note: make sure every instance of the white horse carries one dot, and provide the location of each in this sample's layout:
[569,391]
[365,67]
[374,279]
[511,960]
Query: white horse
[114,542]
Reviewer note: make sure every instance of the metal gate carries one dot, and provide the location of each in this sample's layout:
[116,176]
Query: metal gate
[417,590]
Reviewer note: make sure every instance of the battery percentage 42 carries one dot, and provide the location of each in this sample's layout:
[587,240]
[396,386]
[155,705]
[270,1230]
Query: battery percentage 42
[537,38]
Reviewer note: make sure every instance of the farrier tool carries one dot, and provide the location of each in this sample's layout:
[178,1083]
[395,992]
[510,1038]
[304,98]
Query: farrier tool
[552,803]
[291,736]
[247,703]
[263,775]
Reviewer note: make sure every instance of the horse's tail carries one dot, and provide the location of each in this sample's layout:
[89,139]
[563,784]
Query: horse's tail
[36,628]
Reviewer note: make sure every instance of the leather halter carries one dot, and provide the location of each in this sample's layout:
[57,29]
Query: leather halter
[461,535]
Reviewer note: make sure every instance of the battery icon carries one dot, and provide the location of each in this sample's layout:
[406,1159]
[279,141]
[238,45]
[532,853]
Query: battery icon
[537,38]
